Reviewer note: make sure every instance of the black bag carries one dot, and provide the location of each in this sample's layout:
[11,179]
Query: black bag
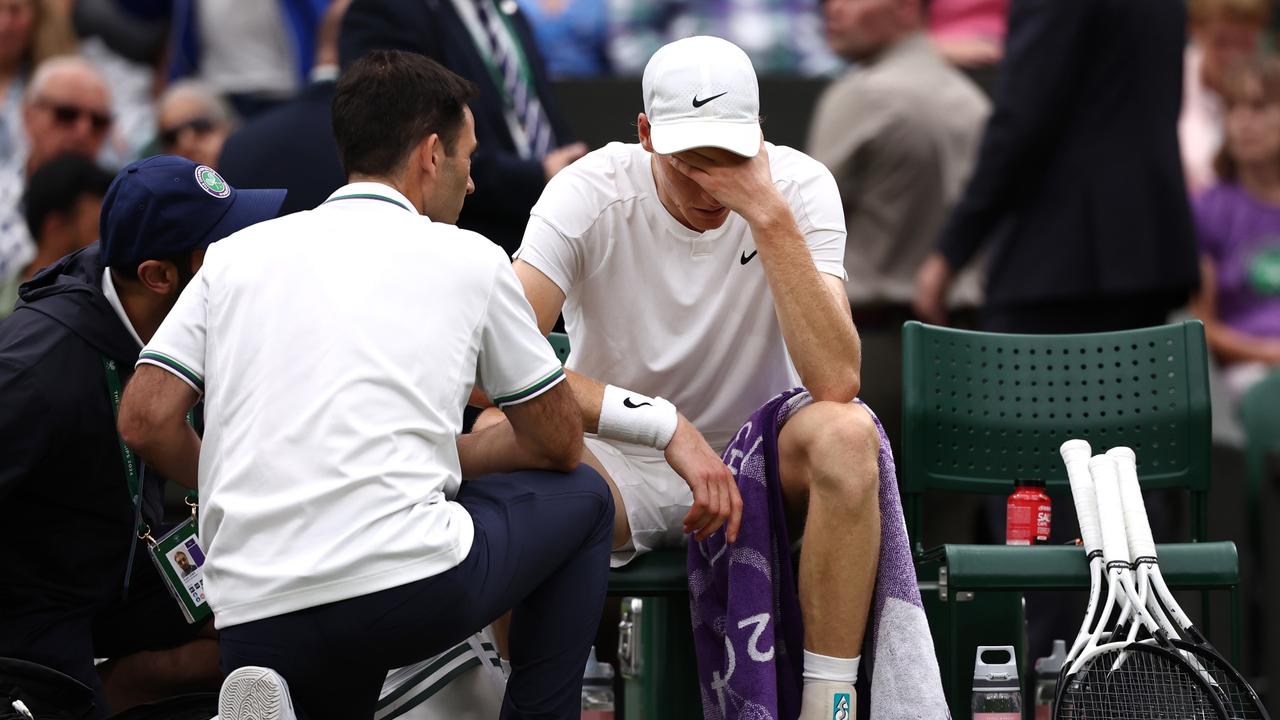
[46,693]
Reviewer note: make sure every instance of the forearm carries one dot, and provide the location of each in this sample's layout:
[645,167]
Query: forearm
[1231,345]
[589,394]
[496,449]
[818,329]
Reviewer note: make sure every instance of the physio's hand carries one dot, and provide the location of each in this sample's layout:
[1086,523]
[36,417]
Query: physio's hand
[744,185]
[562,157]
[716,501]
[933,282]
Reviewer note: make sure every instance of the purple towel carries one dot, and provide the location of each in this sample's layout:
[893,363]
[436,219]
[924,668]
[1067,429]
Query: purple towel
[747,626]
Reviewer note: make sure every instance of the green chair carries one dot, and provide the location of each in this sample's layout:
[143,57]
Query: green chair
[981,410]
[656,638]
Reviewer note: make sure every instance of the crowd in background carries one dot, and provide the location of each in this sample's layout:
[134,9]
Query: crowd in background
[1122,167]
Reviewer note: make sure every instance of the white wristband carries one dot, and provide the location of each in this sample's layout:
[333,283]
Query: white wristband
[635,418]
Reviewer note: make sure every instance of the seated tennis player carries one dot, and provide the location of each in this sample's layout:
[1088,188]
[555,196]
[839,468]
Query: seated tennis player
[700,273]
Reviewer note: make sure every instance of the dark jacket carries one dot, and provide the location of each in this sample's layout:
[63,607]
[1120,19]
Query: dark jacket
[506,185]
[291,147]
[66,521]
[1078,181]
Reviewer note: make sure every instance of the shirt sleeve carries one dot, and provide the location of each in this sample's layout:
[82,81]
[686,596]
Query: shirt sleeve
[516,363]
[179,345]
[22,442]
[554,254]
[815,200]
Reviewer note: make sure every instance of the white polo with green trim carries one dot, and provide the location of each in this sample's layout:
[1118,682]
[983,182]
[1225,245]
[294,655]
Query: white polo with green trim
[335,349]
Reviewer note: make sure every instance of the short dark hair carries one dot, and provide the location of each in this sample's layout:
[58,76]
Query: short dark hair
[57,185]
[387,102]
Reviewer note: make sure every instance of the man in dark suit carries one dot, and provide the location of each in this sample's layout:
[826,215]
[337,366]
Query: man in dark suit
[291,146]
[521,134]
[1078,184]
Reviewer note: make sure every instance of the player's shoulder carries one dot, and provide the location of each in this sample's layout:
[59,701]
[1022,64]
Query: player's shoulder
[793,169]
[595,184]
[788,163]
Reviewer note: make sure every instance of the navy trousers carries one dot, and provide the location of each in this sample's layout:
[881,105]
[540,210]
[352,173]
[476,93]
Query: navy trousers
[541,549]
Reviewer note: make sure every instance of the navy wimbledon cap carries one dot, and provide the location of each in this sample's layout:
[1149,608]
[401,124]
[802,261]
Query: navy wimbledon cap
[166,205]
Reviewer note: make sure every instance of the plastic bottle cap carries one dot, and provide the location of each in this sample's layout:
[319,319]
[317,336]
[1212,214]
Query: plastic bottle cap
[998,677]
[1028,482]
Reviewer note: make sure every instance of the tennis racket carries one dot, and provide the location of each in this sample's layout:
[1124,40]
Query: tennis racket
[1075,455]
[1120,679]
[1239,698]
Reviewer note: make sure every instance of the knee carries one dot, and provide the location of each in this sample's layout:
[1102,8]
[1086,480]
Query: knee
[842,451]
[585,479]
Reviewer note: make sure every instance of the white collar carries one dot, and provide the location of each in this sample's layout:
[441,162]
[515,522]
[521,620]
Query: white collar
[113,299]
[379,191]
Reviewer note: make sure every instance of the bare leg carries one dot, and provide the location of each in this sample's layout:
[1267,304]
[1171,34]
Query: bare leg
[156,674]
[830,482]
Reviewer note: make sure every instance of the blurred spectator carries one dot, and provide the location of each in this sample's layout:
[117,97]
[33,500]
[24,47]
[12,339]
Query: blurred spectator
[193,121]
[292,146]
[1224,34]
[30,32]
[782,37]
[1238,220]
[523,138]
[256,53]
[62,203]
[1079,190]
[1078,184]
[572,34]
[78,584]
[969,33]
[899,132]
[66,109]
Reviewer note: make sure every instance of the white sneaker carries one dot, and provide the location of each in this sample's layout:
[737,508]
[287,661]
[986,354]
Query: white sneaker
[255,693]
[828,701]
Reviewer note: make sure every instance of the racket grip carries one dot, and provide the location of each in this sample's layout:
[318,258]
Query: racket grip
[1136,524]
[1075,455]
[1115,544]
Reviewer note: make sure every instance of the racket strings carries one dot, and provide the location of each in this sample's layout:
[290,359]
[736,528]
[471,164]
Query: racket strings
[1240,702]
[1144,686]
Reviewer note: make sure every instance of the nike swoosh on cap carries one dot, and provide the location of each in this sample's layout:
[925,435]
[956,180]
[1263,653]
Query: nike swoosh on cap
[699,103]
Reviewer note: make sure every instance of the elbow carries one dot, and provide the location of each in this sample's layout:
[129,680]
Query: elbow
[567,454]
[137,427]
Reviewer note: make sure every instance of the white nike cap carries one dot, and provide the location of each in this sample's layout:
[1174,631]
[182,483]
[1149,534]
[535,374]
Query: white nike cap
[702,92]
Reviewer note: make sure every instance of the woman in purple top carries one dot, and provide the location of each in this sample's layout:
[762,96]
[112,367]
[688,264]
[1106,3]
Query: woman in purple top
[1238,221]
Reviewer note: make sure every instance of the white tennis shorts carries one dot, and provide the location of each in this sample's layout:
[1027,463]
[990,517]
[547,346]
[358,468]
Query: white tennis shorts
[656,498]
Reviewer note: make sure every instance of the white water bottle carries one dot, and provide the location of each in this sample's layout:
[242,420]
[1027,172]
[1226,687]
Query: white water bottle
[597,689]
[996,693]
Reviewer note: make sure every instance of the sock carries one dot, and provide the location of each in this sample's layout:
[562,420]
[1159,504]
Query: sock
[821,668]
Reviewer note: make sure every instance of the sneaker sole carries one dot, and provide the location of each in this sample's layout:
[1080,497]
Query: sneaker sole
[252,694]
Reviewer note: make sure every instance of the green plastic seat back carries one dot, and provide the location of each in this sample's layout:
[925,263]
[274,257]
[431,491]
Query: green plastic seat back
[559,343]
[983,409]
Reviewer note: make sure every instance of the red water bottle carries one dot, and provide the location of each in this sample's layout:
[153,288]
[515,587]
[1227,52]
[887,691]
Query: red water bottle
[1029,513]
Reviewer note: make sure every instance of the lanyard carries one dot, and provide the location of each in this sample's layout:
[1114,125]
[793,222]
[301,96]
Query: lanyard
[134,470]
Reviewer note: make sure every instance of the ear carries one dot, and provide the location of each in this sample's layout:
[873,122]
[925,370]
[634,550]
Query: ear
[430,155]
[159,276]
[642,130]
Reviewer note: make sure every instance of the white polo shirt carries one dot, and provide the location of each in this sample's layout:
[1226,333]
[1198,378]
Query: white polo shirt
[336,349]
[655,307]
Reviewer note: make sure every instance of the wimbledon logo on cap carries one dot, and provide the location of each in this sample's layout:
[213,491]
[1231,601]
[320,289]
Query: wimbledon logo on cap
[212,182]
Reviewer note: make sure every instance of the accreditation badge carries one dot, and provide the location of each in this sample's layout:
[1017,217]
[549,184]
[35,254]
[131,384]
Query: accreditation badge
[180,560]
